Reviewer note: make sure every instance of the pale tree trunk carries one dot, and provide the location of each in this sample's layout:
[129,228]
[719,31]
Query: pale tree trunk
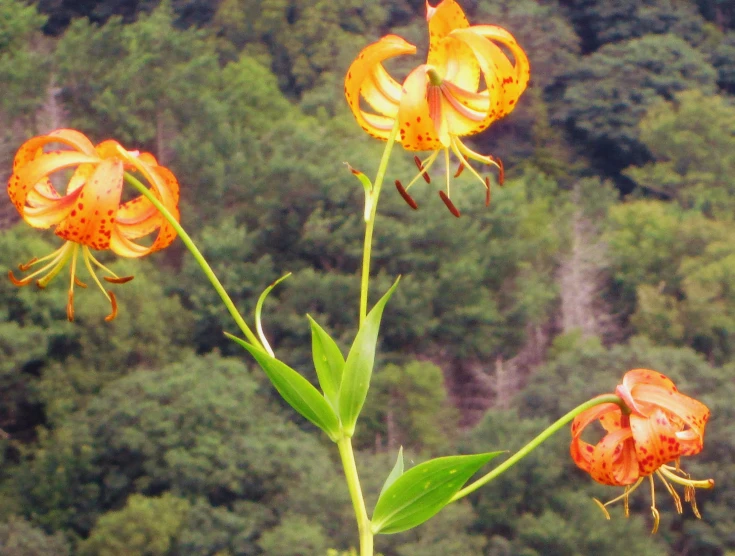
[582,276]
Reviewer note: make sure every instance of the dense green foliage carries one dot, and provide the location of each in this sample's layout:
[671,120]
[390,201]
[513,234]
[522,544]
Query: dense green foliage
[609,247]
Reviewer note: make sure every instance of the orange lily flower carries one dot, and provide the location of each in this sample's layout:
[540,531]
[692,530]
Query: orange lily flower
[662,426]
[90,214]
[440,101]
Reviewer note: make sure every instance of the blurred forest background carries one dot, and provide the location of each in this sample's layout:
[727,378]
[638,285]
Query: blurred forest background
[610,247]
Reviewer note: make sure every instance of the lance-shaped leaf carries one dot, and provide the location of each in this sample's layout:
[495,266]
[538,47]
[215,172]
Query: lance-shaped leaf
[359,366]
[296,390]
[328,362]
[396,472]
[259,310]
[421,492]
[367,185]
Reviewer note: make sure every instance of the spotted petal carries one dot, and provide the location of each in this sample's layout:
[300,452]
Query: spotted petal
[522,69]
[655,441]
[91,221]
[419,114]
[366,78]
[36,170]
[451,58]
[582,451]
[613,461]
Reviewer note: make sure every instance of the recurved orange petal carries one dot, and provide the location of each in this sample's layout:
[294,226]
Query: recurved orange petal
[655,441]
[366,78]
[452,59]
[80,177]
[687,411]
[50,214]
[91,220]
[137,218]
[613,461]
[520,60]
[459,106]
[582,451]
[26,176]
[444,18]
[43,194]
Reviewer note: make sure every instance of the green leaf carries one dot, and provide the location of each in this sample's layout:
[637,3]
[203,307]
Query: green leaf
[367,185]
[328,362]
[421,492]
[259,310]
[396,472]
[296,390]
[359,366]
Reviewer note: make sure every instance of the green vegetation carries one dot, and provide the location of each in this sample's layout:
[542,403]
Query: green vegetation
[609,247]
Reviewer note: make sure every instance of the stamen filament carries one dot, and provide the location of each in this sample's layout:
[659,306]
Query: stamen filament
[56,255]
[654,511]
[446,163]
[706,483]
[70,302]
[426,165]
[455,142]
[672,492]
[88,264]
[59,262]
[89,254]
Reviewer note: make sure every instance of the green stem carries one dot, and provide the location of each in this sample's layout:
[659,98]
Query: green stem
[186,239]
[370,225]
[353,484]
[536,442]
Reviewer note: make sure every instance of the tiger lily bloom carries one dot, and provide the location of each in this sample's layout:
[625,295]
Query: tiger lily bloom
[662,426]
[90,214]
[440,101]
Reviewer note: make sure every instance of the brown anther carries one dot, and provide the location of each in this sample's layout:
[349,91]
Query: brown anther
[113,302]
[29,264]
[121,280]
[460,169]
[79,283]
[40,285]
[487,191]
[420,166]
[501,172]
[450,204]
[70,306]
[16,282]
[406,196]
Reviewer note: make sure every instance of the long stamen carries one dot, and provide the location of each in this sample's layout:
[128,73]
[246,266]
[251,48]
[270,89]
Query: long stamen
[114,279]
[425,168]
[667,470]
[88,259]
[672,492]
[654,511]
[603,508]
[88,253]
[70,302]
[446,164]
[23,267]
[56,256]
[58,263]
[88,264]
[628,491]
[455,143]
[422,170]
